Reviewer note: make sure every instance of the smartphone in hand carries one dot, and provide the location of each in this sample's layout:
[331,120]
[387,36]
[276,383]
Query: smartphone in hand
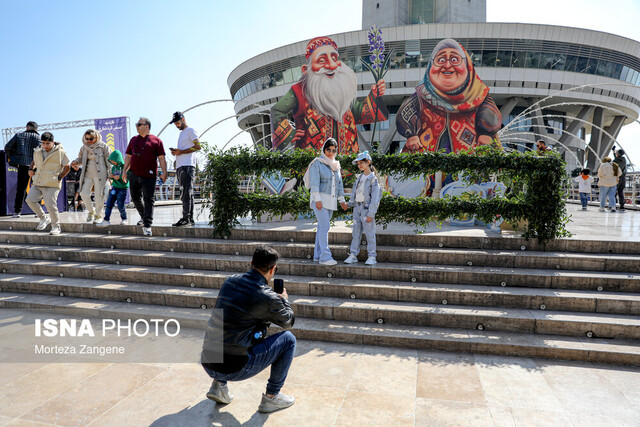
[278,286]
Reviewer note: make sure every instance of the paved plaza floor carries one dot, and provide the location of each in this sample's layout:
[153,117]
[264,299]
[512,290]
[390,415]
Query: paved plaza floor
[334,385]
[338,384]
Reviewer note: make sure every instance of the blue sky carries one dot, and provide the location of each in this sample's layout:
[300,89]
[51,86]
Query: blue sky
[69,60]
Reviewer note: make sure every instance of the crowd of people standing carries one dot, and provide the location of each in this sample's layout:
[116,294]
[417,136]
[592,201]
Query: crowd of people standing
[100,174]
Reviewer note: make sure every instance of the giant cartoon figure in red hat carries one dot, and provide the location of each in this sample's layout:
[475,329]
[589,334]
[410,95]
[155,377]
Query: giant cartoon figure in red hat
[322,105]
[451,110]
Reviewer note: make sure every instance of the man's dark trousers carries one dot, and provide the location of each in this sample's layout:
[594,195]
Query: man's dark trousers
[143,189]
[186,176]
[621,183]
[21,188]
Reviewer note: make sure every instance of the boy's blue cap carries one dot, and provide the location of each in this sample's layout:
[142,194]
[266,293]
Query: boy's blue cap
[362,156]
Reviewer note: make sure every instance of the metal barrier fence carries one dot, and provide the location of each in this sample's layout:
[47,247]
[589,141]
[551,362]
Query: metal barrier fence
[631,189]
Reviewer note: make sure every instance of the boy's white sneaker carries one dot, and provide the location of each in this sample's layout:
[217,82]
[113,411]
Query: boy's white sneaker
[329,262]
[371,261]
[104,223]
[124,222]
[55,230]
[351,259]
[43,223]
[146,231]
[97,220]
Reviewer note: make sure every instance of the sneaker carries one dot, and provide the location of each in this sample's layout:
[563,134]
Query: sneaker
[181,222]
[140,223]
[43,223]
[219,393]
[55,230]
[97,220]
[351,259]
[16,215]
[613,210]
[124,222]
[601,209]
[192,222]
[584,208]
[104,223]
[329,262]
[146,231]
[279,401]
[371,261]
[90,217]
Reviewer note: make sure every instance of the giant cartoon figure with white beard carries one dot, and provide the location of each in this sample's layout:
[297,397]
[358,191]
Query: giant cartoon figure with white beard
[322,104]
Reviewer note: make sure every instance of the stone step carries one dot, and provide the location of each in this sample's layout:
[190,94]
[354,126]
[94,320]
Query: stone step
[392,272]
[287,232]
[594,350]
[438,256]
[402,313]
[38,275]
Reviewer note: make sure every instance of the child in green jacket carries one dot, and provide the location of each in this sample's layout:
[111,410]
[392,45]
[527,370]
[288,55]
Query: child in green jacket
[119,185]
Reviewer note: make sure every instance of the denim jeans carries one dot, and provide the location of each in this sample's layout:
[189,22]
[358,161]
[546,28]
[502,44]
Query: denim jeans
[322,252]
[276,351]
[584,198]
[360,224]
[120,196]
[141,187]
[608,193]
[186,176]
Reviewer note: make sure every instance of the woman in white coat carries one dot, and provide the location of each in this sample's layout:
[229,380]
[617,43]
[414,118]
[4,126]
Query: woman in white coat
[94,159]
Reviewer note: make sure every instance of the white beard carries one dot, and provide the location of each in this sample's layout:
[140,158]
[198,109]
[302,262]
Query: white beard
[331,96]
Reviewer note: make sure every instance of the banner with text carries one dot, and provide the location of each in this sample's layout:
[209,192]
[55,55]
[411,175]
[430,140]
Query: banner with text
[114,132]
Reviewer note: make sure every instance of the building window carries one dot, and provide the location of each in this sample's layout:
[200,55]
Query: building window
[421,12]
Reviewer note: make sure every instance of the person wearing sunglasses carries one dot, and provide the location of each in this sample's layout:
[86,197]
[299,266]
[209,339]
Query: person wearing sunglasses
[141,163]
[94,160]
[326,190]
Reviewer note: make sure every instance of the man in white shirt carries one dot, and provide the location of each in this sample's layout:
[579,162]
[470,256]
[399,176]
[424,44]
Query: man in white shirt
[188,144]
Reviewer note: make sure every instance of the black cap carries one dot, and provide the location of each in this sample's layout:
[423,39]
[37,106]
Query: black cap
[33,125]
[177,116]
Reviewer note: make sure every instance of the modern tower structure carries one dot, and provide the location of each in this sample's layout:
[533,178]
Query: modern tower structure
[587,82]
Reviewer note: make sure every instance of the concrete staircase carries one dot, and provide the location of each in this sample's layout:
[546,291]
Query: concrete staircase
[571,299]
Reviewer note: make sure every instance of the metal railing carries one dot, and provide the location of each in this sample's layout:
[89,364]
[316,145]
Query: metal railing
[631,190]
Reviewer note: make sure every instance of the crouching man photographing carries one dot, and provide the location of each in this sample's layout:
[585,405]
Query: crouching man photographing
[245,307]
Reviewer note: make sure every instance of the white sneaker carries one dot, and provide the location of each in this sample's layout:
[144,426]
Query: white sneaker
[97,220]
[279,401]
[90,217]
[351,259]
[371,261]
[104,223]
[329,262]
[124,222]
[55,230]
[146,231]
[43,223]
[16,215]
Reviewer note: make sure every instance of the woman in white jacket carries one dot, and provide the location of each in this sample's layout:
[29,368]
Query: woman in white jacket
[94,159]
[608,174]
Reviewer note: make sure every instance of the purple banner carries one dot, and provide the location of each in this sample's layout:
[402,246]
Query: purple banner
[114,132]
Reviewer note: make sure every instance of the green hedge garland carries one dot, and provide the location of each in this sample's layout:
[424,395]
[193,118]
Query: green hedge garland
[535,185]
